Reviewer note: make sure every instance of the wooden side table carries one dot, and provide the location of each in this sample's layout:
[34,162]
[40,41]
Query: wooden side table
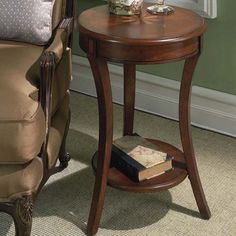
[145,39]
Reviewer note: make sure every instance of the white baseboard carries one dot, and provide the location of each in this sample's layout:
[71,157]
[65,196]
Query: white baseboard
[210,109]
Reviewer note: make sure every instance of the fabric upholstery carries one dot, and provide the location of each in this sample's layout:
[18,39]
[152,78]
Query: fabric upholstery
[22,128]
[59,43]
[27,21]
[61,82]
[57,130]
[21,115]
[57,13]
[22,120]
[18,180]
[59,10]
[21,179]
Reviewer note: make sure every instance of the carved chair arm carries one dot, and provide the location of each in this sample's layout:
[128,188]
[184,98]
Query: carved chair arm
[50,58]
[61,39]
[57,46]
[67,24]
[47,69]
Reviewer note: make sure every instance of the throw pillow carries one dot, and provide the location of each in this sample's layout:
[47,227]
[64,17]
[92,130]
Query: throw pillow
[26,20]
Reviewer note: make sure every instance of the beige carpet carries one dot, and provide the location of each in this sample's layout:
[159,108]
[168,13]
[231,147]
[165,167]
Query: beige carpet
[63,206]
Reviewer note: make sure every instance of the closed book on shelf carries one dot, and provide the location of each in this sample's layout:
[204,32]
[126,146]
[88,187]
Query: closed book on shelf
[139,159]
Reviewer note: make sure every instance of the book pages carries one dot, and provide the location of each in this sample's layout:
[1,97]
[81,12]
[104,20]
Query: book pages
[141,150]
[146,156]
[128,143]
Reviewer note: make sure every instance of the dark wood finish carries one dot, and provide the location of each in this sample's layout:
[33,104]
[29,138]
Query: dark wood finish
[129,98]
[23,215]
[64,156]
[147,54]
[22,211]
[103,87]
[146,29]
[48,64]
[168,180]
[22,208]
[145,39]
[70,9]
[71,13]
[68,25]
[47,67]
[153,39]
[186,137]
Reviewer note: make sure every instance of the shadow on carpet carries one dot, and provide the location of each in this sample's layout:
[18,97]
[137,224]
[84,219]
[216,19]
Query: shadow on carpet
[69,196]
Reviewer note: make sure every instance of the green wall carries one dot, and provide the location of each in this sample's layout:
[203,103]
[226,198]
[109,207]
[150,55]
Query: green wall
[217,65]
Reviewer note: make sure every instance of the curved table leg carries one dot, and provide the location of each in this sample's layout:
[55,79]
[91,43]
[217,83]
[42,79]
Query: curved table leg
[186,138]
[129,98]
[102,81]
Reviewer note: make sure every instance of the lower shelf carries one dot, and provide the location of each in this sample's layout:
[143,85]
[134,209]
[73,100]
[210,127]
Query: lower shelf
[165,181]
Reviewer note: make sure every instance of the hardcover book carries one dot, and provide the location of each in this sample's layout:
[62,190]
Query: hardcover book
[138,158]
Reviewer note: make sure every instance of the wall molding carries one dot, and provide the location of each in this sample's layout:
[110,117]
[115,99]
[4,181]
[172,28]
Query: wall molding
[206,8]
[210,109]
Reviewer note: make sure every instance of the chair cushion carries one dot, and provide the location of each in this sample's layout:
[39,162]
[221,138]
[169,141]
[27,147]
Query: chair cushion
[19,180]
[22,122]
[27,21]
[22,127]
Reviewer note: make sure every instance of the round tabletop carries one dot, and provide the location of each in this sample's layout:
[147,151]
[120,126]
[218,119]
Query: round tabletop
[132,40]
[183,24]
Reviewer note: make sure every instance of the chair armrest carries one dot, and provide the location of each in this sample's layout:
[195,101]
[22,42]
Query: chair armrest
[48,62]
[47,69]
[49,59]
[67,24]
[60,41]
[57,46]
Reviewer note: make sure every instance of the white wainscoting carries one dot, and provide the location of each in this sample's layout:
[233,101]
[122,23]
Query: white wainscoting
[206,8]
[210,109]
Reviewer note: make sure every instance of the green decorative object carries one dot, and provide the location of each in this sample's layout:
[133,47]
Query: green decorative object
[160,8]
[125,7]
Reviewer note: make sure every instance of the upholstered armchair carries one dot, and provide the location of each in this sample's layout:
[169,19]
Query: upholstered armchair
[34,113]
